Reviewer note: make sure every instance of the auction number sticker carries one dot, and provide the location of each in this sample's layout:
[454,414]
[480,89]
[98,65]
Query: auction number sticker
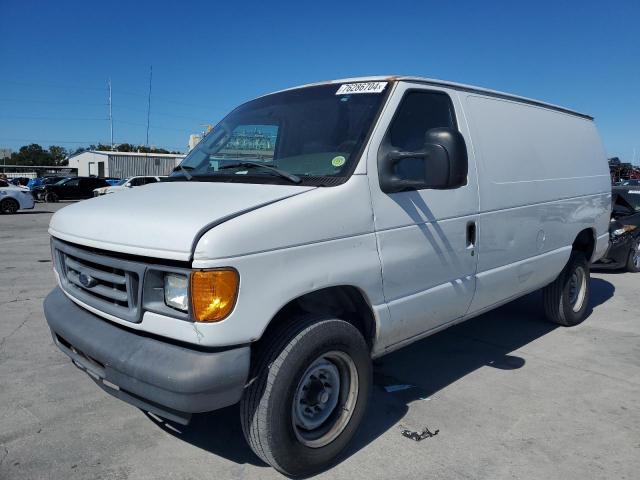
[365,87]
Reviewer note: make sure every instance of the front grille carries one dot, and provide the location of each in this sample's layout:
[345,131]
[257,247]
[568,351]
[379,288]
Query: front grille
[110,284]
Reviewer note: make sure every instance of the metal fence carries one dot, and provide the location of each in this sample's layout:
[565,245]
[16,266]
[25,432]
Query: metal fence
[122,166]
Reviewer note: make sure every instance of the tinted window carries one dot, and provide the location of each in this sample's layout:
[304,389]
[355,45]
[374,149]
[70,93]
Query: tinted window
[73,182]
[632,198]
[136,182]
[418,113]
[151,180]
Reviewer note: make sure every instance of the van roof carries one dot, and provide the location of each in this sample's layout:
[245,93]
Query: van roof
[455,86]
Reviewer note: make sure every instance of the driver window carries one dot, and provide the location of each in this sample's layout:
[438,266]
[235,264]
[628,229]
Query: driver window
[418,112]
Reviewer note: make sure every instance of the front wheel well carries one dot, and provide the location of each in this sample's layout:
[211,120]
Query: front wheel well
[585,242]
[344,302]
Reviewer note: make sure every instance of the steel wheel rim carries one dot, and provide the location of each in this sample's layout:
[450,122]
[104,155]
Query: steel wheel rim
[322,406]
[577,289]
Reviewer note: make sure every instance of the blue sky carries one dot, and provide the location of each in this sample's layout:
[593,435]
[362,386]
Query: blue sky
[56,57]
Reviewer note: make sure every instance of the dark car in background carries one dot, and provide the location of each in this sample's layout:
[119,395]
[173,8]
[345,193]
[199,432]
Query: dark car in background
[71,188]
[630,183]
[624,230]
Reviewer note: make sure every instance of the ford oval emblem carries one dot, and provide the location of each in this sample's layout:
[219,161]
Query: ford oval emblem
[87,280]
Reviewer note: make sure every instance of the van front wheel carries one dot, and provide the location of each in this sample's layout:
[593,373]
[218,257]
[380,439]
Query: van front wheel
[308,394]
[566,299]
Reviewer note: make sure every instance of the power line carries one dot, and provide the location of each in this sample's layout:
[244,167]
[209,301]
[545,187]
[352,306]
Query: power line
[51,142]
[28,117]
[152,126]
[51,102]
[69,142]
[119,92]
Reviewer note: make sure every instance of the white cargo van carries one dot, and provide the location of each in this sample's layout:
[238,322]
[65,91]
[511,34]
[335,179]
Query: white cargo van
[317,228]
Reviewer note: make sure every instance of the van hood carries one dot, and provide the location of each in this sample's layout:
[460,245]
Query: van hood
[162,220]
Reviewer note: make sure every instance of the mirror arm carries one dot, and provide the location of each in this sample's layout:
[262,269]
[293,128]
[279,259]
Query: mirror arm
[396,155]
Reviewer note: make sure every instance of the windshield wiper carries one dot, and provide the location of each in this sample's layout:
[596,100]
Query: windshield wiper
[282,173]
[184,169]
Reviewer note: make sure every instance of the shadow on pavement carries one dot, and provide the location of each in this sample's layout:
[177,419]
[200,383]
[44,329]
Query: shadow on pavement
[428,365]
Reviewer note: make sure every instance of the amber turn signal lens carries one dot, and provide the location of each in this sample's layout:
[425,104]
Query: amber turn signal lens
[213,294]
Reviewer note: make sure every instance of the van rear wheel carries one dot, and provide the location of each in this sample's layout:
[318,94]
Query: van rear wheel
[566,299]
[309,392]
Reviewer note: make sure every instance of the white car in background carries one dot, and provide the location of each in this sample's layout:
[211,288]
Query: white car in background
[126,183]
[14,198]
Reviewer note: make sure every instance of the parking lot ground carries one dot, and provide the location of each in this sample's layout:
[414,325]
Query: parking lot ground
[510,395]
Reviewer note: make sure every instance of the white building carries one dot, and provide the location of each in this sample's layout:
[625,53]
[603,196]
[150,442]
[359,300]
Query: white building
[194,139]
[123,164]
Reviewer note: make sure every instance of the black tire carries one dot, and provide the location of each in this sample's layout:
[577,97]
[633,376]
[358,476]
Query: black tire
[633,261]
[9,206]
[284,360]
[566,300]
[50,197]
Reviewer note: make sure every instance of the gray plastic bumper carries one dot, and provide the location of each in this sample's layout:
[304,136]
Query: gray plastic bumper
[170,380]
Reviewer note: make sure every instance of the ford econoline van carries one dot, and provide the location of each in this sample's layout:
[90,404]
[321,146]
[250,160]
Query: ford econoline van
[314,229]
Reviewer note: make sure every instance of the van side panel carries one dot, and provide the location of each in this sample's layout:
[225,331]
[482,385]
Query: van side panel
[543,177]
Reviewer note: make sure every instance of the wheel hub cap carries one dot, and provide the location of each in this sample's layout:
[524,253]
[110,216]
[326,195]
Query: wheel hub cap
[317,394]
[324,399]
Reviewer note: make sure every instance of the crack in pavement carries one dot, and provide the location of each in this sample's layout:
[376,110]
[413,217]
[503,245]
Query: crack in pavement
[3,341]
[6,453]
[16,300]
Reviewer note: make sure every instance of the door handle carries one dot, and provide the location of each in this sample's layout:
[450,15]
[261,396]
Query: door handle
[471,236]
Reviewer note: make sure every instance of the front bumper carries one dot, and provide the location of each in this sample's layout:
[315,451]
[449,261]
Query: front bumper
[167,379]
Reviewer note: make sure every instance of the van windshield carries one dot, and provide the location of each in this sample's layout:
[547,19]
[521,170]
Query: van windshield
[313,133]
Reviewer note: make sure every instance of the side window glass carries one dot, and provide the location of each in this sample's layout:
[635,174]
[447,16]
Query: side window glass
[418,113]
[74,182]
[136,182]
[150,180]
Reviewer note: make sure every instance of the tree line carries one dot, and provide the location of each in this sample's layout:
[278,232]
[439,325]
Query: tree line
[55,155]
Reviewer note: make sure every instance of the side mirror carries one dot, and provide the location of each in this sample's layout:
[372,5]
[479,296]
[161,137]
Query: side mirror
[444,163]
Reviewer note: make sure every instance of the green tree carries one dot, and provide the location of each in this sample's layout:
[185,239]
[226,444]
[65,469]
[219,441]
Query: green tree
[59,155]
[32,154]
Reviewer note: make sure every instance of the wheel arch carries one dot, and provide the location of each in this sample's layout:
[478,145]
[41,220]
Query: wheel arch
[585,242]
[346,302]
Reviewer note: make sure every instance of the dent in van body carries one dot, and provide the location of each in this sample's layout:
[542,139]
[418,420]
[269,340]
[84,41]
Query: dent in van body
[304,243]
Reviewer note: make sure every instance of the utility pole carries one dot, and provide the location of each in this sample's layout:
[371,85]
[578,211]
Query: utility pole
[110,115]
[149,103]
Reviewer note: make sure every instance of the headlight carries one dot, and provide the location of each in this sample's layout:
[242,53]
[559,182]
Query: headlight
[213,294]
[175,291]
[623,230]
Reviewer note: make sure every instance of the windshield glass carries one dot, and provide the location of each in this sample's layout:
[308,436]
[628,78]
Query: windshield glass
[309,132]
[632,197]
[60,182]
[122,182]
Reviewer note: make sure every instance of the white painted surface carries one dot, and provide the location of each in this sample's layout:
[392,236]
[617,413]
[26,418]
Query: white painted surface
[536,179]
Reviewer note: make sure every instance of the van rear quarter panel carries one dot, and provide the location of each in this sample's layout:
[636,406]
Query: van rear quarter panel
[543,177]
